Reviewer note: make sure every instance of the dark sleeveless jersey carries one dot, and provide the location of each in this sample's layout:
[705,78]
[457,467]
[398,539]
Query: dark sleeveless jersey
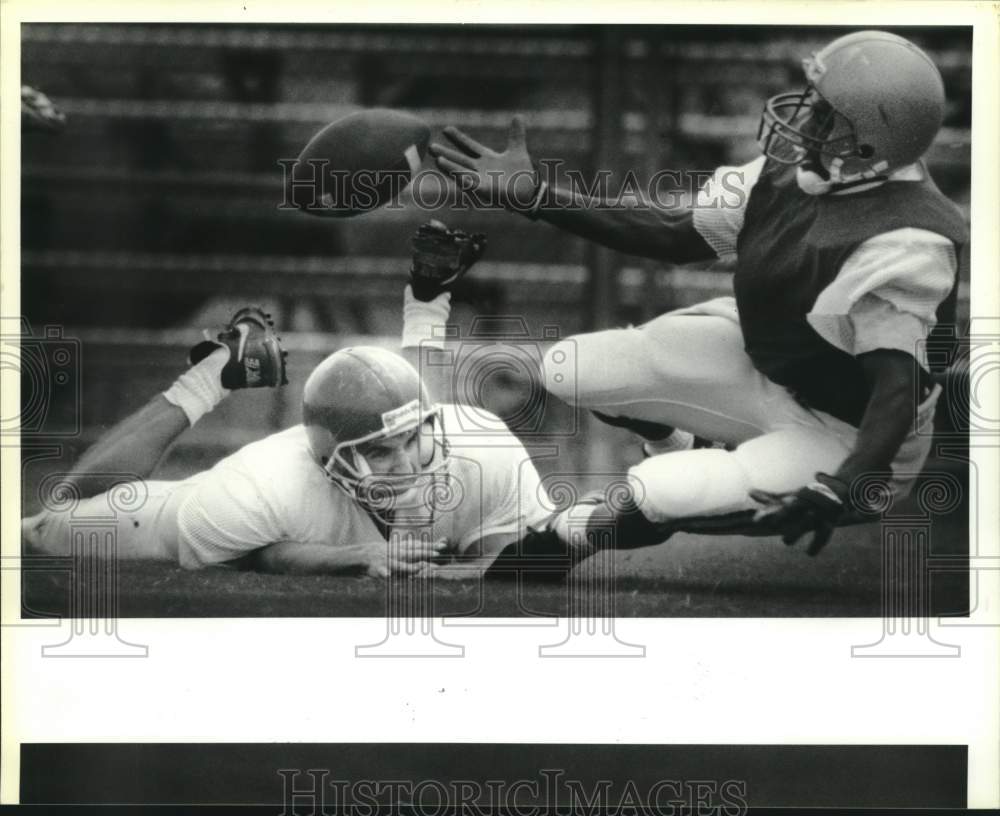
[791,247]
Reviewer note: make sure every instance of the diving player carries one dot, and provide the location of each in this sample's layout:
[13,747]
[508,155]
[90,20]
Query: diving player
[815,373]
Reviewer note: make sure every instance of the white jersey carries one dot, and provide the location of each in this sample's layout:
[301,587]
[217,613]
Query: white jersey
[887,291]
[273,491]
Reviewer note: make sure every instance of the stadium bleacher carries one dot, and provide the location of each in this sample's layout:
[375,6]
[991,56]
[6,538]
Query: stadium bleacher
[158,209]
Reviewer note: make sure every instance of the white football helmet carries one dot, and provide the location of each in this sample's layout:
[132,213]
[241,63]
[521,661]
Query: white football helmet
[363,395]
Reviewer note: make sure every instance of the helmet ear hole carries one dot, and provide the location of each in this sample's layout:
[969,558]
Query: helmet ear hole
[866,151]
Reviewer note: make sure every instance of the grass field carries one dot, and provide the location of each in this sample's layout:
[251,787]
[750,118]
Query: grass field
[688,576]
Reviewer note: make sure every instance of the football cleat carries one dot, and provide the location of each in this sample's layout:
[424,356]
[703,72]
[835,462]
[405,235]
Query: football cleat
[256,358]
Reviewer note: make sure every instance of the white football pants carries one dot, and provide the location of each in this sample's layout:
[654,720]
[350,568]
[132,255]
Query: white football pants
[138,519]
[688,369]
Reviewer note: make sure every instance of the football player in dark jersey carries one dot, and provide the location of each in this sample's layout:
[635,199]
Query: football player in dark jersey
[814,373]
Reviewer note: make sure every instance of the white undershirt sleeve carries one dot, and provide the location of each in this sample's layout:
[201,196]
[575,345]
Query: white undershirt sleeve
[887,293]
[720,206]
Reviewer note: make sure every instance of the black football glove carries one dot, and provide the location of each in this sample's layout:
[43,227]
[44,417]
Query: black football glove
[440,257]
[815,508]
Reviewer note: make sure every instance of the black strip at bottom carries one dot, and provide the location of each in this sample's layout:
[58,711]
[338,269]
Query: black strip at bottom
[301,778]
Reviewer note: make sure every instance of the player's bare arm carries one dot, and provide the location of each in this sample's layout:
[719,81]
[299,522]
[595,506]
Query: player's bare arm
[509,178]
[400,556]
[817,508]
[889,416]
[474,562]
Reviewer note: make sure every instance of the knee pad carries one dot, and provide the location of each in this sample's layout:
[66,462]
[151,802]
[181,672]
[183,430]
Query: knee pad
[690,483]
[785,460]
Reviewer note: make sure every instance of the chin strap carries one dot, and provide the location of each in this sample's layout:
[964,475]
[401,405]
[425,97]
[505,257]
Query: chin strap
[847,185]
[813,183]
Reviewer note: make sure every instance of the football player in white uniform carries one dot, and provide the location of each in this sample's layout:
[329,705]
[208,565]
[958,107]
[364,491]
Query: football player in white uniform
[378,478]
[815,374]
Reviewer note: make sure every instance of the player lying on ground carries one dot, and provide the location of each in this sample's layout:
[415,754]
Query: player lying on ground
[378,479]
[846,256]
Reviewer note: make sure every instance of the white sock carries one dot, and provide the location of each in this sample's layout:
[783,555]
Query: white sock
[677,441]
[424,321]
[199,389]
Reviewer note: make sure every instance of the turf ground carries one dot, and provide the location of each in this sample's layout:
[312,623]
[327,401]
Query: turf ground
[688,576]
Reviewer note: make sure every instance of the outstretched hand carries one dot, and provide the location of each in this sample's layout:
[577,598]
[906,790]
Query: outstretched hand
[816,509]
[401,556]
[505,179]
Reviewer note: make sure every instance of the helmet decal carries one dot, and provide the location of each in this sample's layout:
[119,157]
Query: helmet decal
[402,418]
[813,67]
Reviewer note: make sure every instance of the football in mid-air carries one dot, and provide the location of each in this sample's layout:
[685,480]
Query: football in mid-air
[358,163]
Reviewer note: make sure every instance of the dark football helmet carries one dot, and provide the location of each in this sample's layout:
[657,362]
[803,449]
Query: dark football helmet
[873,103]
[363,395]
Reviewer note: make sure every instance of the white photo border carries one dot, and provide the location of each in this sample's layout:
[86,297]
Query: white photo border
[702,681]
